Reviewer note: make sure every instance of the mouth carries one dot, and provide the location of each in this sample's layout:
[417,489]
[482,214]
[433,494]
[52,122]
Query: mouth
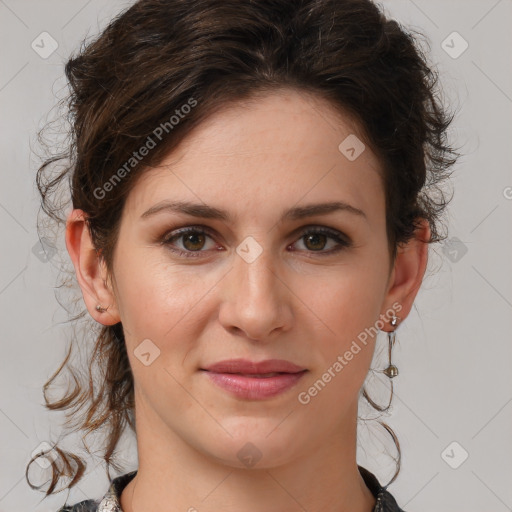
[250,380]
[259,375]
[245,367]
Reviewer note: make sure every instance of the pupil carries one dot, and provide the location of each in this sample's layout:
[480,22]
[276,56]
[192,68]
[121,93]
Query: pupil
[191,237]
[315,237]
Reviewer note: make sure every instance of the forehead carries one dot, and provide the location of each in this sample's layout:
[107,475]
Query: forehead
[257,153]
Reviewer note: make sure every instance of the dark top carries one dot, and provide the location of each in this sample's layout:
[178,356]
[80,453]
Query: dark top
[111,501]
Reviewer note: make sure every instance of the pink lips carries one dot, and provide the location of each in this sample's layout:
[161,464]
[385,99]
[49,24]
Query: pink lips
[255,381]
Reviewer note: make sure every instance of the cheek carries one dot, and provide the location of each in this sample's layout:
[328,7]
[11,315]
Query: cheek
[348,307]
[159,311]
[350,304]
[344,353]
[152,295]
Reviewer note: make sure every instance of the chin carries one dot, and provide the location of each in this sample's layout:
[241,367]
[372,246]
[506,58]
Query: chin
[257,444]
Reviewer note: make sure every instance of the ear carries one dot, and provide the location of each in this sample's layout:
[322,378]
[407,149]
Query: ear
[407,275]
[90,269]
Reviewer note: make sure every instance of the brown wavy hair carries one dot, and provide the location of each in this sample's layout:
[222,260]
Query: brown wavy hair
[156,56]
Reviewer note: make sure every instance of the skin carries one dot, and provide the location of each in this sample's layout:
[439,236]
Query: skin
[255,161]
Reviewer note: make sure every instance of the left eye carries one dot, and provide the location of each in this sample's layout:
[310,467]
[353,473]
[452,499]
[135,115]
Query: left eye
[315,240]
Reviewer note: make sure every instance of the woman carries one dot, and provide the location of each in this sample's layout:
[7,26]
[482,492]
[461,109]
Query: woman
[249,209]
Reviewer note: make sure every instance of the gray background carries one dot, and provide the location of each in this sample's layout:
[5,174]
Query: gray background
[453,352]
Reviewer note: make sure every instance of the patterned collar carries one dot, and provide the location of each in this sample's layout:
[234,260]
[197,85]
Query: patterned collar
[111,501]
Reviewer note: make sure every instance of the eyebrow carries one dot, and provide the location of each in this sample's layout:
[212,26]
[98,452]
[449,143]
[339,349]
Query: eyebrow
[209,212]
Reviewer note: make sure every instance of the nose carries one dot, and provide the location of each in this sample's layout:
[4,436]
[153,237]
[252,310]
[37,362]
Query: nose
[256,300]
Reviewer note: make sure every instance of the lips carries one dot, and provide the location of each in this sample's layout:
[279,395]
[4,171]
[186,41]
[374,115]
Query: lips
[250,380]
[250,368]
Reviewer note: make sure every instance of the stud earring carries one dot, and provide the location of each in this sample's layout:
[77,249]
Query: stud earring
[100,309]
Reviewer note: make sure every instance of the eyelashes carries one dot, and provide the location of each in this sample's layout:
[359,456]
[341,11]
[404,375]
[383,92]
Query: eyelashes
[199,234]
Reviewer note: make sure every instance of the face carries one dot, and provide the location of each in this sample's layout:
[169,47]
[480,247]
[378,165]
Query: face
[266,280]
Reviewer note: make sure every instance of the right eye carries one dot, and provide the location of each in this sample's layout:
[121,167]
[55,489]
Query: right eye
[192,240]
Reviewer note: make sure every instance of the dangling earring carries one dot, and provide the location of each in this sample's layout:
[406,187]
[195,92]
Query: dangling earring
[391,371]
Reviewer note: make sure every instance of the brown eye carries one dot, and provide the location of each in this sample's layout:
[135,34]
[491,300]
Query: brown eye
[193,241]
[315,241]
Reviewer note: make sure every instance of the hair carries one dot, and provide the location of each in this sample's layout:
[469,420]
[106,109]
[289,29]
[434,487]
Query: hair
[131,83]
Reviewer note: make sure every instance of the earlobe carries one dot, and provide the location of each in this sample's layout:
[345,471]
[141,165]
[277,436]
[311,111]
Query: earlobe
[408,271]
[90,270]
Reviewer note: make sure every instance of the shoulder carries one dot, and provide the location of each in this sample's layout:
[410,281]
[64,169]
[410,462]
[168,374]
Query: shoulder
[385,502]
[110,501]
[83,506]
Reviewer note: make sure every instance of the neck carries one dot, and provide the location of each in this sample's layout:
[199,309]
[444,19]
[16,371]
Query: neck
[173,475]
